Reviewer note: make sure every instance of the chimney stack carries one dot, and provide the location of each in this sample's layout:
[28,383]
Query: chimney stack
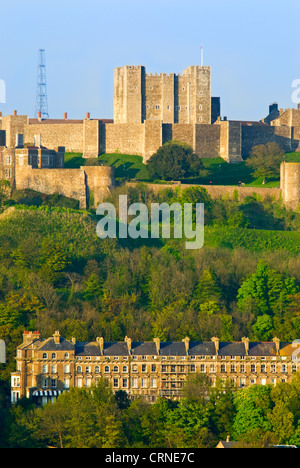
[157,343]
[277,342]
[39,116]
[186,341]
[128,341]
[216,341]
[56,337]
[15,112]
[30,336]
[246,343]
[100,342]
[88,116]
[65,116]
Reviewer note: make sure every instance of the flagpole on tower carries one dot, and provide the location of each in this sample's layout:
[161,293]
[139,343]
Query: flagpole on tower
[201,55]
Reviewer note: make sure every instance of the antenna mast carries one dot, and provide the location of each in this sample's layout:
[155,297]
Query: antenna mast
[41,95]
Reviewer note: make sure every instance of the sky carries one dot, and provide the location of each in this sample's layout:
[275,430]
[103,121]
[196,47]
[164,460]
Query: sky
[252,47]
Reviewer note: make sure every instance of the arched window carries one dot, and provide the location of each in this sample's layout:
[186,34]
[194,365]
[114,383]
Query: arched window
[116,369]
[53,356]
[79,370]
[97,369]
[45,356]
[106,369]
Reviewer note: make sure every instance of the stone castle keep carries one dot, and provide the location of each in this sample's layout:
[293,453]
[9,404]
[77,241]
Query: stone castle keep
[149,110]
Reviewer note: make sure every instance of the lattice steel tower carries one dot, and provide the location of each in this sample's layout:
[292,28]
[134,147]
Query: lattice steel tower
[41,95]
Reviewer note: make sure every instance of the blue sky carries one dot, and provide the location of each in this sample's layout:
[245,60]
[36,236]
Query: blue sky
[252,47]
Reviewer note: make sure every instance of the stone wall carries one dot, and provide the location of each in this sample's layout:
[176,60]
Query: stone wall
[70,183]
[207,141]
[13,125]
[262,134]
[69,135]
[230,140]
[124,138]
[100,181]
[84,184]
[220,191]
[290,184]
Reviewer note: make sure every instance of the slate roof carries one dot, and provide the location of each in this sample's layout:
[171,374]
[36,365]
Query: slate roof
[116,349]
[234,348]
[172,349]
[202,348]
[87,349]
[50,345]
[143,349]
[262,349]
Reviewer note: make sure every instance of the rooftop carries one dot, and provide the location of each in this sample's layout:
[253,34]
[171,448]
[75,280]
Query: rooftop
[158,348]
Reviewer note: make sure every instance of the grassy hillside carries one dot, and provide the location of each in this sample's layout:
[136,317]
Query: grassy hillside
[217,171]
[75,230]
[126,166]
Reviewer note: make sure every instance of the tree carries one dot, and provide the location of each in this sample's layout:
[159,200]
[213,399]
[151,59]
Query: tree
[196,388]
[269,289]
[265,160]
[54,260]
[174,161]
[4,192]
[253,407]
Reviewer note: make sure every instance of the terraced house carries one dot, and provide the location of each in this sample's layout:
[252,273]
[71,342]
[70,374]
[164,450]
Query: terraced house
[48,367]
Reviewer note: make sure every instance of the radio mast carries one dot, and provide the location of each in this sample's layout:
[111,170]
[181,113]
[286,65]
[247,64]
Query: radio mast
[41,95]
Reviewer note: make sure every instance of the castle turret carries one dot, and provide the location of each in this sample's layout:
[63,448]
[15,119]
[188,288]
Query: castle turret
[290,184]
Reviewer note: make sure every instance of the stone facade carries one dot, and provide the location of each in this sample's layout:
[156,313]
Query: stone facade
[40,169]
[46,368]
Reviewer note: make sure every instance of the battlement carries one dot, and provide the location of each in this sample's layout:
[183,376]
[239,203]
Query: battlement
[168,97]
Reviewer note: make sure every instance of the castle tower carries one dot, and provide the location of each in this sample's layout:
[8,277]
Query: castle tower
[184,99]
[290,184]
[129,94]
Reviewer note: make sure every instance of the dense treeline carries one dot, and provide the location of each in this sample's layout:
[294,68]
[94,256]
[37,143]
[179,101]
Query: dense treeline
[258,416]
[55,273]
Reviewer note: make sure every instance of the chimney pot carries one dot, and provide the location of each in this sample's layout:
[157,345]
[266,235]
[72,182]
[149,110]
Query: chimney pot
[88,115]
[65,116]
[15,112]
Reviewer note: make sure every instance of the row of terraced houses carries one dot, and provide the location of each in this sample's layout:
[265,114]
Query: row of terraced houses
[48,367]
